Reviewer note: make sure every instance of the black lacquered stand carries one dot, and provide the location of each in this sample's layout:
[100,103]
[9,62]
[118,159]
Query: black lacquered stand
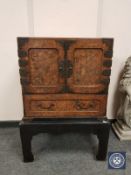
[100,127]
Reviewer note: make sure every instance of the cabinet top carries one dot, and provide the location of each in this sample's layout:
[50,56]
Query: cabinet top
[67,38]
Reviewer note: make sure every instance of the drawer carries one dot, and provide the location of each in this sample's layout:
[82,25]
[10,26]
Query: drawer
[64,105]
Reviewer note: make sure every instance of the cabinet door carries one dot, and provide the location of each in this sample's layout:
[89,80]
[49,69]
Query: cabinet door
[91,60]
[39,61]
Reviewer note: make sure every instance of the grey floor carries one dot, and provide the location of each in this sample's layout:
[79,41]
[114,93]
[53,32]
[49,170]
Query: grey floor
[67,154]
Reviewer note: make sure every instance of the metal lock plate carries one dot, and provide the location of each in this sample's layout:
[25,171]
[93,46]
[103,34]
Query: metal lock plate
[65,68]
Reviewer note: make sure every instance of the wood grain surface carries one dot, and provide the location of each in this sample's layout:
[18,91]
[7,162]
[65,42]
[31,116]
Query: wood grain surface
[65,77]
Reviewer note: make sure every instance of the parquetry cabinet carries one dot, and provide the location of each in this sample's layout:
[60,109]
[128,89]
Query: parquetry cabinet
[64,79]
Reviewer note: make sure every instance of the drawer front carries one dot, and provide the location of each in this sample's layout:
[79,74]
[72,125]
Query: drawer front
[65,105]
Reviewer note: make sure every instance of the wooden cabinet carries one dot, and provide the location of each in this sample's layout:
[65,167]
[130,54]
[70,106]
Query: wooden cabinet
[64,77]
[65,87]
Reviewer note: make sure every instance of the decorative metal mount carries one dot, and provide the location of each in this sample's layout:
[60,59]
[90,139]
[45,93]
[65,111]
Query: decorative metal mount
[21,41]
[108,42]
[65,68]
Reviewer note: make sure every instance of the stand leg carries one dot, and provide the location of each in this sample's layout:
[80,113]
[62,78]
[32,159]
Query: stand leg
[30,128]
[26,138]
[103,137]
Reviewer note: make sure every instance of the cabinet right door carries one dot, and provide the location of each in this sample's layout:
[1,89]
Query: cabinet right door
[91,60]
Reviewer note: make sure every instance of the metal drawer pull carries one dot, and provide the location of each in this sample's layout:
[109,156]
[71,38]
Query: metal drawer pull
[48,107]
[80,106]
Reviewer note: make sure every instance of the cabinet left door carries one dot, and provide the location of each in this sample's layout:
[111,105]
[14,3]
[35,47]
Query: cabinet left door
[39,65]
